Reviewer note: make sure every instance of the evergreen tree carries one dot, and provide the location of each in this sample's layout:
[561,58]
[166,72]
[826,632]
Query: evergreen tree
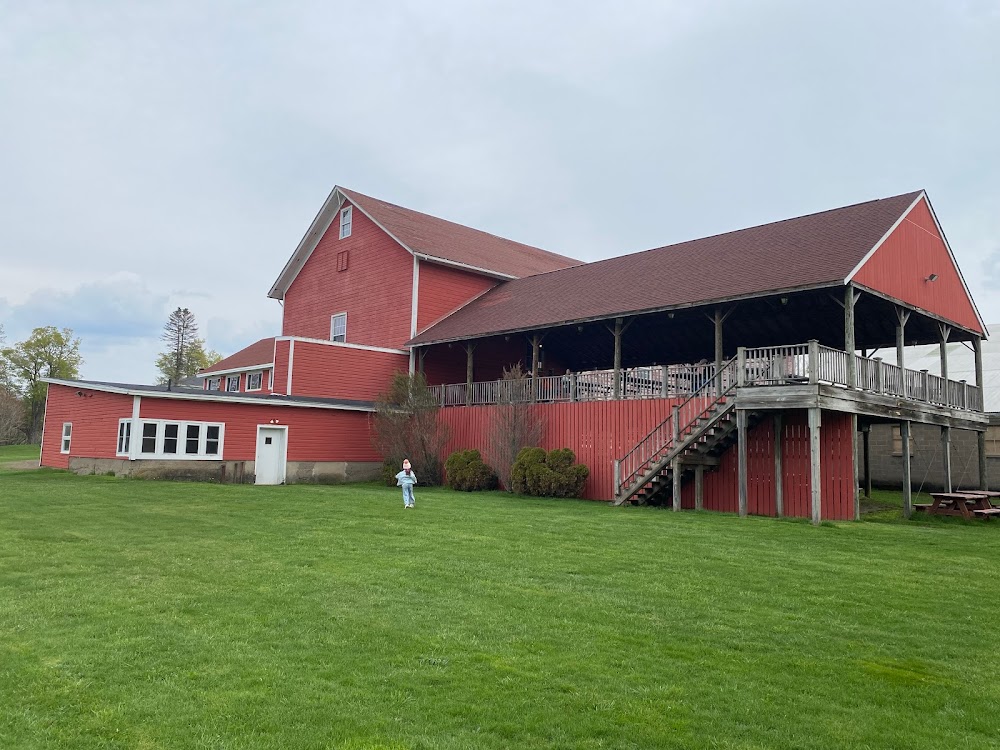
[185,354]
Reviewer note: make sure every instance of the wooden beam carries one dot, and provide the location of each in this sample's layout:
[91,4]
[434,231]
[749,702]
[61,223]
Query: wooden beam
[984,483]
[676,476]
[977,350]
[901,317]
[946,457]
[779,466]
[719,318]
[616,388]
[699,487]
[850,299]
[469,349]
[741,444]
[854,463]
[904,434]
[945,331]
[815,463]
[866,449]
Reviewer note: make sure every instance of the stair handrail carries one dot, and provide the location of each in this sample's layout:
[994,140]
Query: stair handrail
[719,381]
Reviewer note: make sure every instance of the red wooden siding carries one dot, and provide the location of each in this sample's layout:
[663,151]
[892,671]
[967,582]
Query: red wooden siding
[329,371]
[441,290]
[599,432]
[375,291]
[281,349]
[313,434]
[95,417]
[907,258]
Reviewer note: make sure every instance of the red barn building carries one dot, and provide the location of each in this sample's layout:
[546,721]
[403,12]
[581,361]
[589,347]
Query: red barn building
[734,372]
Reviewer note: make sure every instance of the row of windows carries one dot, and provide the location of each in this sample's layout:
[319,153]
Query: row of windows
[168,439]
[255,381]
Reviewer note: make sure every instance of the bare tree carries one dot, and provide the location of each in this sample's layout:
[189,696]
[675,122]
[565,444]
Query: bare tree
[11,418]
[405,425]
[515,424]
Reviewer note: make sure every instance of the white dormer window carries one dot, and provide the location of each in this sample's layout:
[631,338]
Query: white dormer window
[345,222]
[214,384]
[254,380]
[232,383]
[338,327]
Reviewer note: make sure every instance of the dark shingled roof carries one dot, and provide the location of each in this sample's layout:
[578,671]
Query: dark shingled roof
[258,353]
[806,252]
[438,238]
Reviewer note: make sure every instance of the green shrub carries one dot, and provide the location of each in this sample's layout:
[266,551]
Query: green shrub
[548,475]
[468,472]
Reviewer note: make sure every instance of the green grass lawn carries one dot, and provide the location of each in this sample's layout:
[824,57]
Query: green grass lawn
[167,615]
[17,453]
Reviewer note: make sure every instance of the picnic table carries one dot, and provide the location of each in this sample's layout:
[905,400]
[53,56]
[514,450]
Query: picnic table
[968,504]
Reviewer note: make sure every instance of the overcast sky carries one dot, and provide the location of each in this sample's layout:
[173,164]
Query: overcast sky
[164,154]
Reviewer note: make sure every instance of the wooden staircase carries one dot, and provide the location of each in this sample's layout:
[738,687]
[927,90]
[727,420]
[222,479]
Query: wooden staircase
[696,433]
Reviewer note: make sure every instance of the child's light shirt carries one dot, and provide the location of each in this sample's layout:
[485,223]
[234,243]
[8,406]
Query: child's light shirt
[404,478]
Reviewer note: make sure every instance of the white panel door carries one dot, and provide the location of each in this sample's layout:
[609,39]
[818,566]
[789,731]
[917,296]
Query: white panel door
[271,455]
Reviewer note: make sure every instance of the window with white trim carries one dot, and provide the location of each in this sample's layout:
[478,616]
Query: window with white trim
[345,222]
[165,438]
[67,437]
[124,437]
[214,384]
[270,379]
[232,383]
[254,380]
[338,327]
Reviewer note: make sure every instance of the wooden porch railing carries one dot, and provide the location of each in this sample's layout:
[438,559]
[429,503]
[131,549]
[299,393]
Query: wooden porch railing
[774,365]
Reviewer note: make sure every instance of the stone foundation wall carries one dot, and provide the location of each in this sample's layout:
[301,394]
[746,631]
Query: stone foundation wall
[231,472]
[927,459]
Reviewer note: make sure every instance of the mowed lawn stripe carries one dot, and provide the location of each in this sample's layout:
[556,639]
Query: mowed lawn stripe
[148,614]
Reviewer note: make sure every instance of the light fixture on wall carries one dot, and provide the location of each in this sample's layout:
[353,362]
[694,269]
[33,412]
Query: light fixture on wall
[784,300]
[932,277]
[670,315]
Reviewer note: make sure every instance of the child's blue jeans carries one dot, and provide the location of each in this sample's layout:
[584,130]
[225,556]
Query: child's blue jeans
[408,495]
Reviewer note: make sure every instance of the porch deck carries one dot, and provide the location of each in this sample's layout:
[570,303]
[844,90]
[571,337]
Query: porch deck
[804,372]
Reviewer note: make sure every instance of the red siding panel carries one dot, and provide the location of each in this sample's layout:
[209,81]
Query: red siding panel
[313,434]
[441,290]
[281,350]
[375,290]
[796,465]
[95,417]
[330,371]
[901,266]
[837,467]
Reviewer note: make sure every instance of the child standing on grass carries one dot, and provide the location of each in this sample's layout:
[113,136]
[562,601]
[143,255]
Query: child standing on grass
[406,479]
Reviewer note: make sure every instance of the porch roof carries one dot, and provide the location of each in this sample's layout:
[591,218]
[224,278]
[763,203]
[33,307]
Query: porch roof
[808,252]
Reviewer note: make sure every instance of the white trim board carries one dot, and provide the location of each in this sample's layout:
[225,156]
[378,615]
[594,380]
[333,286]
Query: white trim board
[342,344]
[202,396]
[233,370]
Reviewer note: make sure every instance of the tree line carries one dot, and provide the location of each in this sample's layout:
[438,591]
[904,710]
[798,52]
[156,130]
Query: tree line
[51,352]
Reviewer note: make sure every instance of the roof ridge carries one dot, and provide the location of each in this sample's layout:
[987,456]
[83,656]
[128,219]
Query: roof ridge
[349,192]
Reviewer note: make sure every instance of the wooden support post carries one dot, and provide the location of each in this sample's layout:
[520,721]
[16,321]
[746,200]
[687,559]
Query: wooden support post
[815,474]
[984,483]
[866,450]
[901,317]
[699,487]
[946,456]
[854,461]
[574,387]
[813,364]
[850,298]
[676,471]
[741,444]
[977,349]
[617,388]
[617,476]
[779,467]
[741,366]
[904,435]
[536,356]
[664,384]
[469,349]
[945,331]
[719,318]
